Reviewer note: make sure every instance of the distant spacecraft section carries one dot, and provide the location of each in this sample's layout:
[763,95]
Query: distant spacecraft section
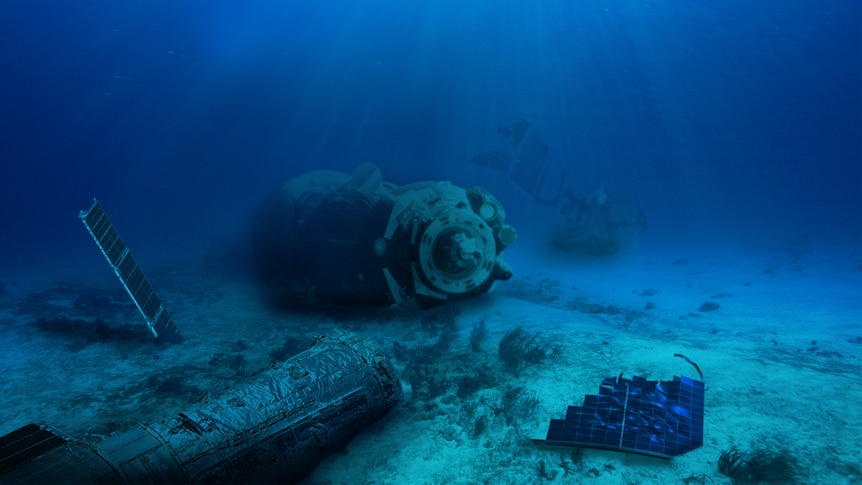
[526,162]
[654,418]
[130,274]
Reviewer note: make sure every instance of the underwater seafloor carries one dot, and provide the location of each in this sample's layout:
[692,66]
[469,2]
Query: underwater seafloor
[775,330]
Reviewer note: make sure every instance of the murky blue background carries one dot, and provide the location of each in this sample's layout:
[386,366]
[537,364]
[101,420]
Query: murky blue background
[724,121]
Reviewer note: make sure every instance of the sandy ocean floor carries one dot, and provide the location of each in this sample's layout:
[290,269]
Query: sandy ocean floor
[780,357]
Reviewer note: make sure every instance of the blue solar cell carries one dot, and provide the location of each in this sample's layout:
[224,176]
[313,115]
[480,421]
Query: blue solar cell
[655,418]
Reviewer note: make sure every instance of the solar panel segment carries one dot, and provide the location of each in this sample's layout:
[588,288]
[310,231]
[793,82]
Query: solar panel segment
[25,444]
[655,418]
[130,274]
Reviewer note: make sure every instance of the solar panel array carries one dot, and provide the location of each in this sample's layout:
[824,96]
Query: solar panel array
[655,418]
[130,274]
[25,444]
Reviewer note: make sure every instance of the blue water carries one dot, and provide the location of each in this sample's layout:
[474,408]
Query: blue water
[732,124]
[724,120]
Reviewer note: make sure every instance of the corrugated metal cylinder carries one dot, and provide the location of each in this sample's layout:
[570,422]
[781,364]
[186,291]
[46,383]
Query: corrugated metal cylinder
[272,428]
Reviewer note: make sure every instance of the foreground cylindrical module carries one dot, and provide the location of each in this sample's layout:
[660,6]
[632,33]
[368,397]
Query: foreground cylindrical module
[344,238]
[271,428]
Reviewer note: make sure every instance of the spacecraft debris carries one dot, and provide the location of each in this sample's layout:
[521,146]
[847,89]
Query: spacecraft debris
[124,265]
[596,224]
[271,428]
[340,238]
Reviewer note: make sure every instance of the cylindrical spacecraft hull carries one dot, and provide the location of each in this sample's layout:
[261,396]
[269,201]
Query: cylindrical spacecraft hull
[271,428]
[332,237]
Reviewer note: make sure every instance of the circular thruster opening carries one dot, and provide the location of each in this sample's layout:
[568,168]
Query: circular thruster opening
[457,253]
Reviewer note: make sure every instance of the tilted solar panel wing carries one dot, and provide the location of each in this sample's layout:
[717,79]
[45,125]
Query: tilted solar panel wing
[130,274]
[526,162]
[655,418]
